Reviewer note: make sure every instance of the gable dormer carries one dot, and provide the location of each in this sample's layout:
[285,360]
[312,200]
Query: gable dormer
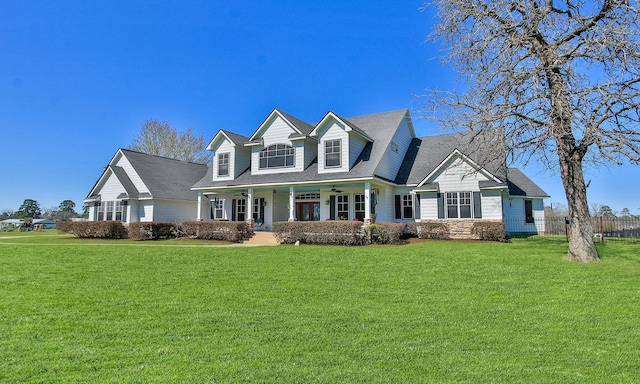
[339,143]
[281,144]
[230,157]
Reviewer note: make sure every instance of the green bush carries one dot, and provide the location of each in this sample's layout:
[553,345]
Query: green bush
[234,231]
[152,231]
[489,230]
[94,229]
[386,233]
[339,232]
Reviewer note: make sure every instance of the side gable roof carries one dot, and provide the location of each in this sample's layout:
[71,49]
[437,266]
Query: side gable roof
[165,178]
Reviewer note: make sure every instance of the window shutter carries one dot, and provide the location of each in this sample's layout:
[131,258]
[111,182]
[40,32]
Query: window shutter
[416,206]
[398,208]
[332,207]
[440,205]
[233,209]
[477,205]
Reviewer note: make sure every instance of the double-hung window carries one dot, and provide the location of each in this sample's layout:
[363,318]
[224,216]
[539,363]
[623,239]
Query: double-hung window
[458,205]
[121,210]
[332,153]
[358,205]
[342,207]
[277,156]
[218,209]
[223,164]
[404,207]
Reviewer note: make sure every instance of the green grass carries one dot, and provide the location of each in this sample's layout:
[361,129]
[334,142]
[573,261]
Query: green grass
[124,312]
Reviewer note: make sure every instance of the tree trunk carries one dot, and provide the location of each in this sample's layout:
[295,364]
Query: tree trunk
[581,245]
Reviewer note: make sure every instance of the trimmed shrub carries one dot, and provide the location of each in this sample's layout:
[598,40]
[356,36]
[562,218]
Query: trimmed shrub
[489,230]
[321,232]
[432,230]
[152,231]
[386,233]
[95,229]
[234,231]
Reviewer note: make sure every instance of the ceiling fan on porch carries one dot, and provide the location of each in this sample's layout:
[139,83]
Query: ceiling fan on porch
[334,190]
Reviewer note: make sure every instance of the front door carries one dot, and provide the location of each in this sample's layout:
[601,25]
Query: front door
[308,211]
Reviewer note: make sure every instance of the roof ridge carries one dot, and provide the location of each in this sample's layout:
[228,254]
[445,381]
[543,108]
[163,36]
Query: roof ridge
[161,157]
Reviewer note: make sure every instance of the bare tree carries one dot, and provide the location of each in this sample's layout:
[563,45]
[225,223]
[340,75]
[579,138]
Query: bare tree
[561,78]
[162,139]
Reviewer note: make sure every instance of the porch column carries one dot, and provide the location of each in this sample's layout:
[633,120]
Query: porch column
[199,213]
[367,203]
[249,217]
[292,203]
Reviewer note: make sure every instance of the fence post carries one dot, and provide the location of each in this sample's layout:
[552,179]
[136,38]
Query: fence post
[566,228]
[601,230]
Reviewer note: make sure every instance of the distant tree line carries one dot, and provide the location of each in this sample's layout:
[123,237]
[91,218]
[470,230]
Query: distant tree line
[31,209]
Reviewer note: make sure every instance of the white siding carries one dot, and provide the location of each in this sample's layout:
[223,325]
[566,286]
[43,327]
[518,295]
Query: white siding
[280,204]
[172,210]
[111,188]
[145,211]
[514,215]
[277,133]
[334,131]
[225,147]
[492,205]
[428,205]
[133,176]
[458,176]
[310,151]
[391,161]
[356,145]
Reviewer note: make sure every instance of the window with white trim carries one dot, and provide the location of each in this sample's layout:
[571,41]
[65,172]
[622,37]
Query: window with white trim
[218,209]
[223,164]
[407,206]
[458,205]
[277,156]
[358,206]
[98,214]
[342,207]
[121,210]
[332,153]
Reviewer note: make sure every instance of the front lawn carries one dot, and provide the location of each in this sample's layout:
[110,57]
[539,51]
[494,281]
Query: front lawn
[116,312]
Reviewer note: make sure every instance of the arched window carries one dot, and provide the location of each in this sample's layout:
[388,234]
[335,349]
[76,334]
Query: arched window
[277,156]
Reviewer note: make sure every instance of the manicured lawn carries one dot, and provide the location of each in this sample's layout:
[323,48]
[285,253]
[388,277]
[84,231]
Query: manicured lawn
[123,312]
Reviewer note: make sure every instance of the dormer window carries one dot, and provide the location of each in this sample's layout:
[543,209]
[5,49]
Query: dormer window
[277,156]
[223,164]
[332,153]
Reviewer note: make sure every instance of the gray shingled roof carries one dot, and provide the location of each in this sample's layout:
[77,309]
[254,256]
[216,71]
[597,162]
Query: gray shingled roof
[380,127]
[166,178]
[235,138]
[302,126]
[520,185]
[427,153]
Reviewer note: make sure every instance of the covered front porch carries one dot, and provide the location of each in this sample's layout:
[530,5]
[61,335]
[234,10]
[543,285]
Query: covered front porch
[264,205]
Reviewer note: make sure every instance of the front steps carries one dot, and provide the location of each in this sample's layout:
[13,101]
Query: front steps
[261,238]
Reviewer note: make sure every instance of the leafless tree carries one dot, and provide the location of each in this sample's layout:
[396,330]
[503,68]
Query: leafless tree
[162,139]
[561,78]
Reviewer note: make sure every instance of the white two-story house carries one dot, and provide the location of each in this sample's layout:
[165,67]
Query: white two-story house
[368,168]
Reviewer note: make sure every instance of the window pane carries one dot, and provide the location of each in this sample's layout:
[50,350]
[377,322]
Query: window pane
[452,211]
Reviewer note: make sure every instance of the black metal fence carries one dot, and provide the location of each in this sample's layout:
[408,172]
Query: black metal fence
[604,227]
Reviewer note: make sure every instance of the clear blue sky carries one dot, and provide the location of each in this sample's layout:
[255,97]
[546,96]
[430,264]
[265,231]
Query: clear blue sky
[78,78]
